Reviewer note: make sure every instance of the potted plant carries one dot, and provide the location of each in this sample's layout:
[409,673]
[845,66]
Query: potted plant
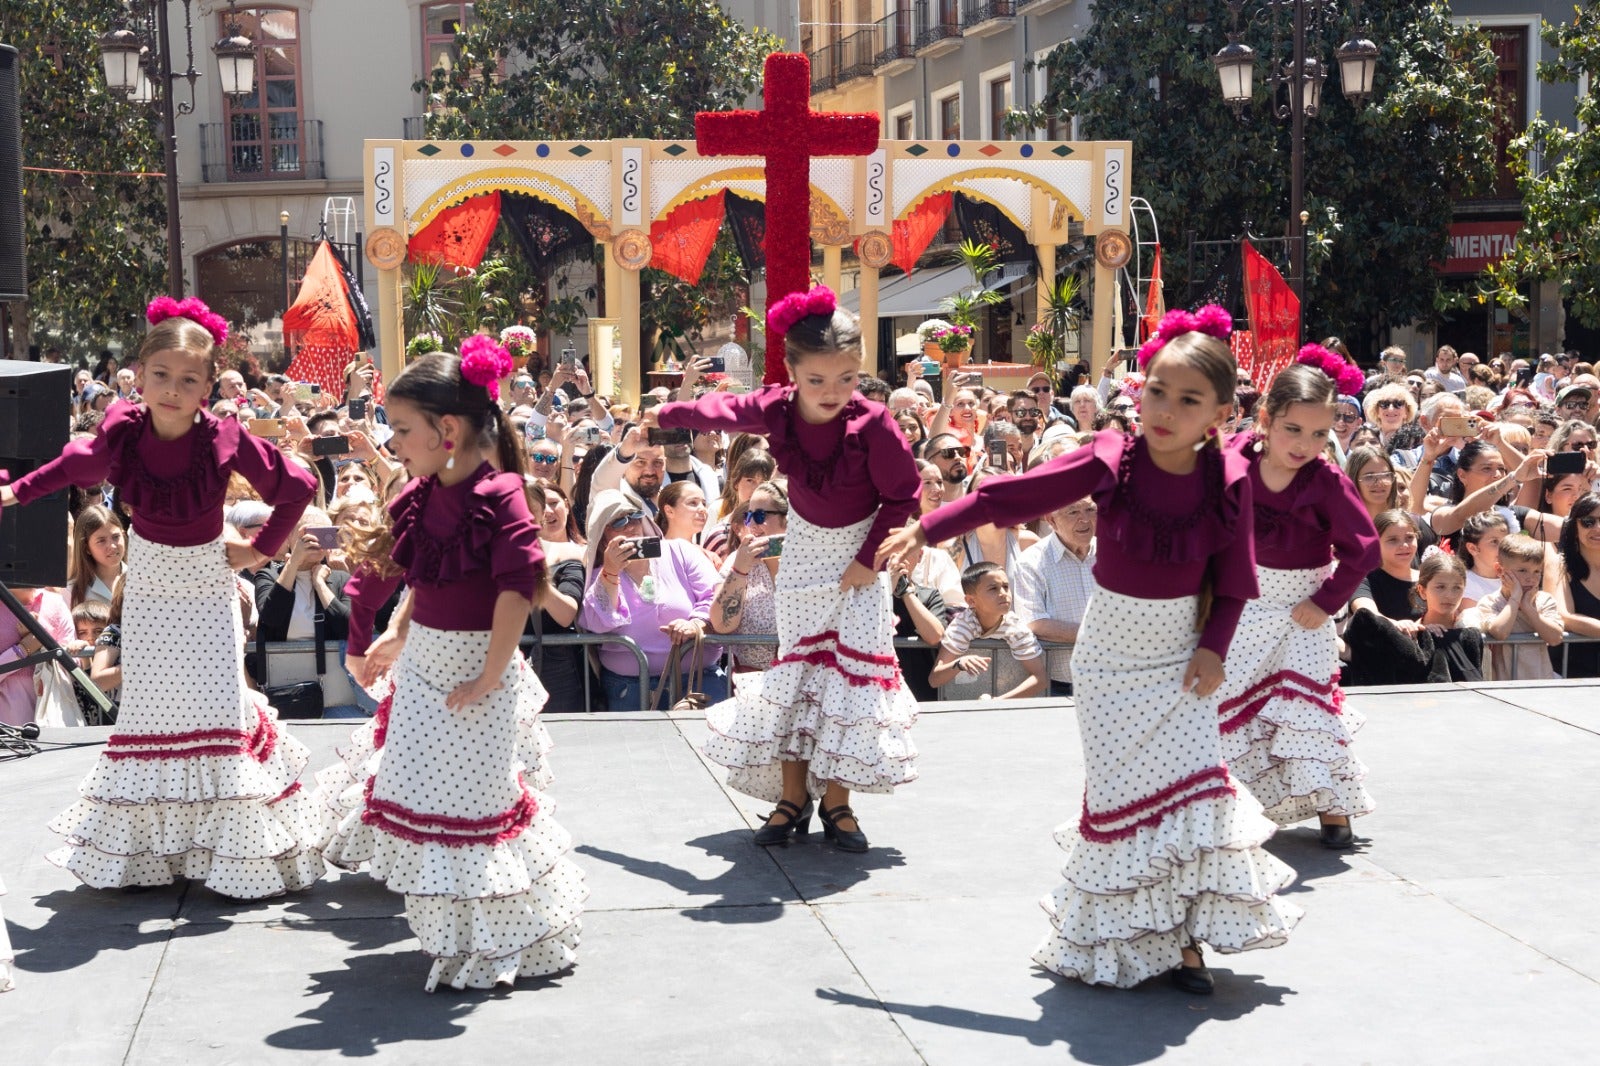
[966,307]
[521,342]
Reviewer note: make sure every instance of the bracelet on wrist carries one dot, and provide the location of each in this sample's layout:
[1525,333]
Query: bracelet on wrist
[606,575]
[741,573]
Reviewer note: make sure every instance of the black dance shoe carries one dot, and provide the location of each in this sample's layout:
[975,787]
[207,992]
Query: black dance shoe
[798,824]
[851,840]
[1337,837]
[1195,980]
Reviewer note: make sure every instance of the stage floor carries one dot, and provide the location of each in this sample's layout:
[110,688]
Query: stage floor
[1463,928]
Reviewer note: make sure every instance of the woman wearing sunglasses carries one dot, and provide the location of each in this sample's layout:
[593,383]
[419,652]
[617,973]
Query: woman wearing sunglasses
[1393,409]
[833,714]
[560,667]
[747,600]
[1347,419]
[1578,592]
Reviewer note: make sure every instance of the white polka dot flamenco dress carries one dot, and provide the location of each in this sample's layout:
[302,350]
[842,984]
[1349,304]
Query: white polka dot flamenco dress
[198,780]
[1286,732]
[834,697]
[1167,851]
[447,808]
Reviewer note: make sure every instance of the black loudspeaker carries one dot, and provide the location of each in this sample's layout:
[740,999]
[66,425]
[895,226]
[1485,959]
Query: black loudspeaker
[13,257]
[34,417]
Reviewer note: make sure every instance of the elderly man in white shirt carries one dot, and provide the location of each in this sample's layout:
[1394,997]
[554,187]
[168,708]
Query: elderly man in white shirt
[1054,580]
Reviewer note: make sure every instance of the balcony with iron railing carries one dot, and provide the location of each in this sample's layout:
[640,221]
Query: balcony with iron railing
[896,40]
[824,68]
[246,149]
[938,27]
[979,18]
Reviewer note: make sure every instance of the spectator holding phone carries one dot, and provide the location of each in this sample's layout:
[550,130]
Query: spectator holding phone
[656,592]
[291,592]
[745,601]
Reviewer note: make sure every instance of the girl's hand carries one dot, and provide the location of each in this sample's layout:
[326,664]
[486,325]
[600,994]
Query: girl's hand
[857,576]
[1433,445]
[242,555]
[304,545]
[1204,673]
[381,655]
[901,542]
[1408,627]
[751,551]
[695,369]
[683,630]
[467,693]
[1529,467]
[972,665]
[1308,615]
[1435,629]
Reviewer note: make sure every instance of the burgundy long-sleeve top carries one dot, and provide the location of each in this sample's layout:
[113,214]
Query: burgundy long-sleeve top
[457,548]
[1317,517]
[1158,532]
[176,488]
[839,471]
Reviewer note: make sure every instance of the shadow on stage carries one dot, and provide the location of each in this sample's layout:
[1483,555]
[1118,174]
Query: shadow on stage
[85,922]
[1100,1025]
[1300,849]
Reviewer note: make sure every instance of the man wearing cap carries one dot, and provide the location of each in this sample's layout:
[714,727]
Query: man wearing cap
[1579,400]
[1043,390]
[1391,367]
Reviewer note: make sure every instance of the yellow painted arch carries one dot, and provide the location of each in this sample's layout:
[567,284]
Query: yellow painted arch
[954,180]
[498,179]
[708,185]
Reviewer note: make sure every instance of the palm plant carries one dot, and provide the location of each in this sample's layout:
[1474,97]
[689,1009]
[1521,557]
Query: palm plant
[482,306]
[964,308]
[429,307]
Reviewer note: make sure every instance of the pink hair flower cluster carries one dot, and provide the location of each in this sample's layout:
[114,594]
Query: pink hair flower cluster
[194,309]
[484,361]
[782,315]
[1346,378]
[1211,320]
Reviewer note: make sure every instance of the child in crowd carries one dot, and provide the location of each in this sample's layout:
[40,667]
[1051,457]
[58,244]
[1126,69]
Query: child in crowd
[99,555]
[1458,644]
[988,616]
[1520,608]
[1480,549]
[833,714]
[450,814]
[1167,854]
[1285,731]
[196,758]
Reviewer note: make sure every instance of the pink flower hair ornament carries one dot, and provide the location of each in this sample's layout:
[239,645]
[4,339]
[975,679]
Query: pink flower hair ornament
[1346,378]
[782,315]
[194,309]
[484,361]
[1211,320]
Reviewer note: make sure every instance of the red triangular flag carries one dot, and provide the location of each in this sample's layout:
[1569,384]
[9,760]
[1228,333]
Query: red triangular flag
[916,231]
[1274,312]
[458,236]
[682,242]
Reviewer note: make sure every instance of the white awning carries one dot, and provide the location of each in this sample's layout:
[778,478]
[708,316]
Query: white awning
[919,294]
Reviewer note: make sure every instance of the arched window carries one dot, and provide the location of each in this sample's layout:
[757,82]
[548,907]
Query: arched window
[266,134]
[244,283]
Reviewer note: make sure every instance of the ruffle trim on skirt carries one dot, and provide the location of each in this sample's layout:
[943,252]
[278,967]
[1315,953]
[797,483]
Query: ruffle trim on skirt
[856,734]
[1296,759]
[1128,908]
[240,822]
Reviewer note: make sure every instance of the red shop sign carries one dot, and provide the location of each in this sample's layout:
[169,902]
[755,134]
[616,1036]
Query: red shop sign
[1475,245]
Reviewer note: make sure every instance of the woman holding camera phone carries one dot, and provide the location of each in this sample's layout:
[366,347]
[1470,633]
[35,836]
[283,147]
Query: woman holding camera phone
[746,601]
[656,592]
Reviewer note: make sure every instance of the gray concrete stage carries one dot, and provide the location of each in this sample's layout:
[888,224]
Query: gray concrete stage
[1463,930]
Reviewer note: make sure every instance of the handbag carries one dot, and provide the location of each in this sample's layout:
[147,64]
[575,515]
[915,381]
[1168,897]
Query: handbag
[300,699]
[672,675]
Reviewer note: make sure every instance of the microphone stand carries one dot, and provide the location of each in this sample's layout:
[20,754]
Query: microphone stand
[49,651]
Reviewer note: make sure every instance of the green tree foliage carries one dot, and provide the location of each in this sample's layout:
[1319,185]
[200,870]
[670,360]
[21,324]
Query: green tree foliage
[1560,238]
[1380,180]
[605,69]
[96,241]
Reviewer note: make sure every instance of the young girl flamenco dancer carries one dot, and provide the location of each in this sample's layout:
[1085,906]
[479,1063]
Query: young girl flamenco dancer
[197,780]
[833,714]
[1285,731]
[1167,854]
[448,817]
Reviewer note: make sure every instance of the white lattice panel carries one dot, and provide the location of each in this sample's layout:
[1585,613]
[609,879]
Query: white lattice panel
[1015,196]
[913,177]
[669,177]
[426,178]
[837,178]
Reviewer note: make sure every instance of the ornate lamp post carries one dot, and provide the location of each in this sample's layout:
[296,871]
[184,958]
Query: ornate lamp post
[138,60]
[1301,76]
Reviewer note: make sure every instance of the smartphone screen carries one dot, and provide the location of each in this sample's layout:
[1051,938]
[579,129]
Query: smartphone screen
[330,446]
[358,407]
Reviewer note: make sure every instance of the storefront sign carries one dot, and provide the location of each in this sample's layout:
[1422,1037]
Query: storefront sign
[1475,245]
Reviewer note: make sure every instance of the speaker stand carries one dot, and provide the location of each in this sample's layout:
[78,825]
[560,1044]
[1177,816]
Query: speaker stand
[50,651]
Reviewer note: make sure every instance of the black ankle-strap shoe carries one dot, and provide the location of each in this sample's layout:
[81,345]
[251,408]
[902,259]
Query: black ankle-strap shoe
[851,840]
[798,824]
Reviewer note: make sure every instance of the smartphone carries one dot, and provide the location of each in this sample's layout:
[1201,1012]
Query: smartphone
[774,547]
[997,453]
[569,358]
[931,370]
[658,437]
[971,377]
[647,547]
[267,427]
[327,537]
[1458,426]
[1559,463]
[306,391]
[358,408]
[1525,376]
[718,365]
[330,445]
[536,431]
[589,435]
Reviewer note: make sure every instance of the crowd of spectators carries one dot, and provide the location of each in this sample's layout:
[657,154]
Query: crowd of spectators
[1479,475]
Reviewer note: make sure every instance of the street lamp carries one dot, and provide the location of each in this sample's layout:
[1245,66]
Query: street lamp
[1301,77]
[137,57]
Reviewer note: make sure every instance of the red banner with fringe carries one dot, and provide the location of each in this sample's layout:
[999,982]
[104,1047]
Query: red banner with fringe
[1274,312]
[916,231]
[458,236]
[682,242]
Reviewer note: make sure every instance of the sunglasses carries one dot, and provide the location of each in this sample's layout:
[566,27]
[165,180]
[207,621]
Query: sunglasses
[1586,445]
[545,460]
[1029,412]
[628,519]
[1376,479]
[958,452]
[1346,416]
[1391,405]
[1036,389]
[759,516]
[1589,521]
[1121,408]
[1574,405]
